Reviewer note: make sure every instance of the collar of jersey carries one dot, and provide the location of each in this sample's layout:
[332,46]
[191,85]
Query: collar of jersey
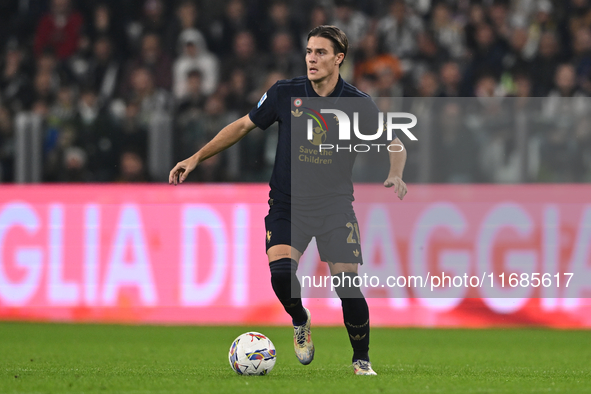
[338,90]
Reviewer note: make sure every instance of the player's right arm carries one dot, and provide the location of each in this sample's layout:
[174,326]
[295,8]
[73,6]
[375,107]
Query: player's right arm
[227,137]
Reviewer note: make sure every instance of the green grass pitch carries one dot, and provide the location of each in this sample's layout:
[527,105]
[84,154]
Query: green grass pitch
[64,358]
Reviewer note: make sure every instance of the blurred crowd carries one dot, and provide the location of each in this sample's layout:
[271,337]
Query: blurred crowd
[97,74]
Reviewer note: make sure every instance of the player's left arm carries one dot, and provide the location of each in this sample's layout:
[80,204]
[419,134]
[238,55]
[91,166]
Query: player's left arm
[397,154]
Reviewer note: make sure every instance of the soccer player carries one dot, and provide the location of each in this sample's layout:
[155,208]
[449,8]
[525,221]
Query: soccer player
[288,235]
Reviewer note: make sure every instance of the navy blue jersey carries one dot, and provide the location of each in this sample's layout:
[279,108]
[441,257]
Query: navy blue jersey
[322,182]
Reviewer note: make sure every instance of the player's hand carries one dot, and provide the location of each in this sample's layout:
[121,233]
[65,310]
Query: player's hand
[182,169]
[399,185]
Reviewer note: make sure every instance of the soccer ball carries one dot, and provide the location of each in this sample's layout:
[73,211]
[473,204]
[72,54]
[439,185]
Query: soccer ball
[252,353]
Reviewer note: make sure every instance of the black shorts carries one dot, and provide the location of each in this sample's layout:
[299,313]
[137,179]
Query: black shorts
[337,235]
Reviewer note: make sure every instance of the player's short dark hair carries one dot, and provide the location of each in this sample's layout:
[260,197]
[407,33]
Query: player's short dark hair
[339,40]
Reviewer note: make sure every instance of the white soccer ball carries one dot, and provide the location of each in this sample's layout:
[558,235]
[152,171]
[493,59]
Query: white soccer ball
[252,353]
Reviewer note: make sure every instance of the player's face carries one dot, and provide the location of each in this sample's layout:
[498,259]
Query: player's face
[321,61]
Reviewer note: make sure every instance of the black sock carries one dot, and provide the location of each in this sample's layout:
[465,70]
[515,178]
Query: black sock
[285,284]
[355,315]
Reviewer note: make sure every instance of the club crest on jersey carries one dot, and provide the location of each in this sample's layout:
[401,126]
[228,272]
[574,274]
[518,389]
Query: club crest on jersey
[262,100]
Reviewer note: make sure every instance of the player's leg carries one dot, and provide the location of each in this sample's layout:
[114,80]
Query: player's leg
[283,261]
[339,246]
[355,313]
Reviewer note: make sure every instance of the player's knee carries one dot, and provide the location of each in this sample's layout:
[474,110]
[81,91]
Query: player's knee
[347,285]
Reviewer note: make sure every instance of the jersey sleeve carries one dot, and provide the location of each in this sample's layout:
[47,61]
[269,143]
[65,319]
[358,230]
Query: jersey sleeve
[265,113]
